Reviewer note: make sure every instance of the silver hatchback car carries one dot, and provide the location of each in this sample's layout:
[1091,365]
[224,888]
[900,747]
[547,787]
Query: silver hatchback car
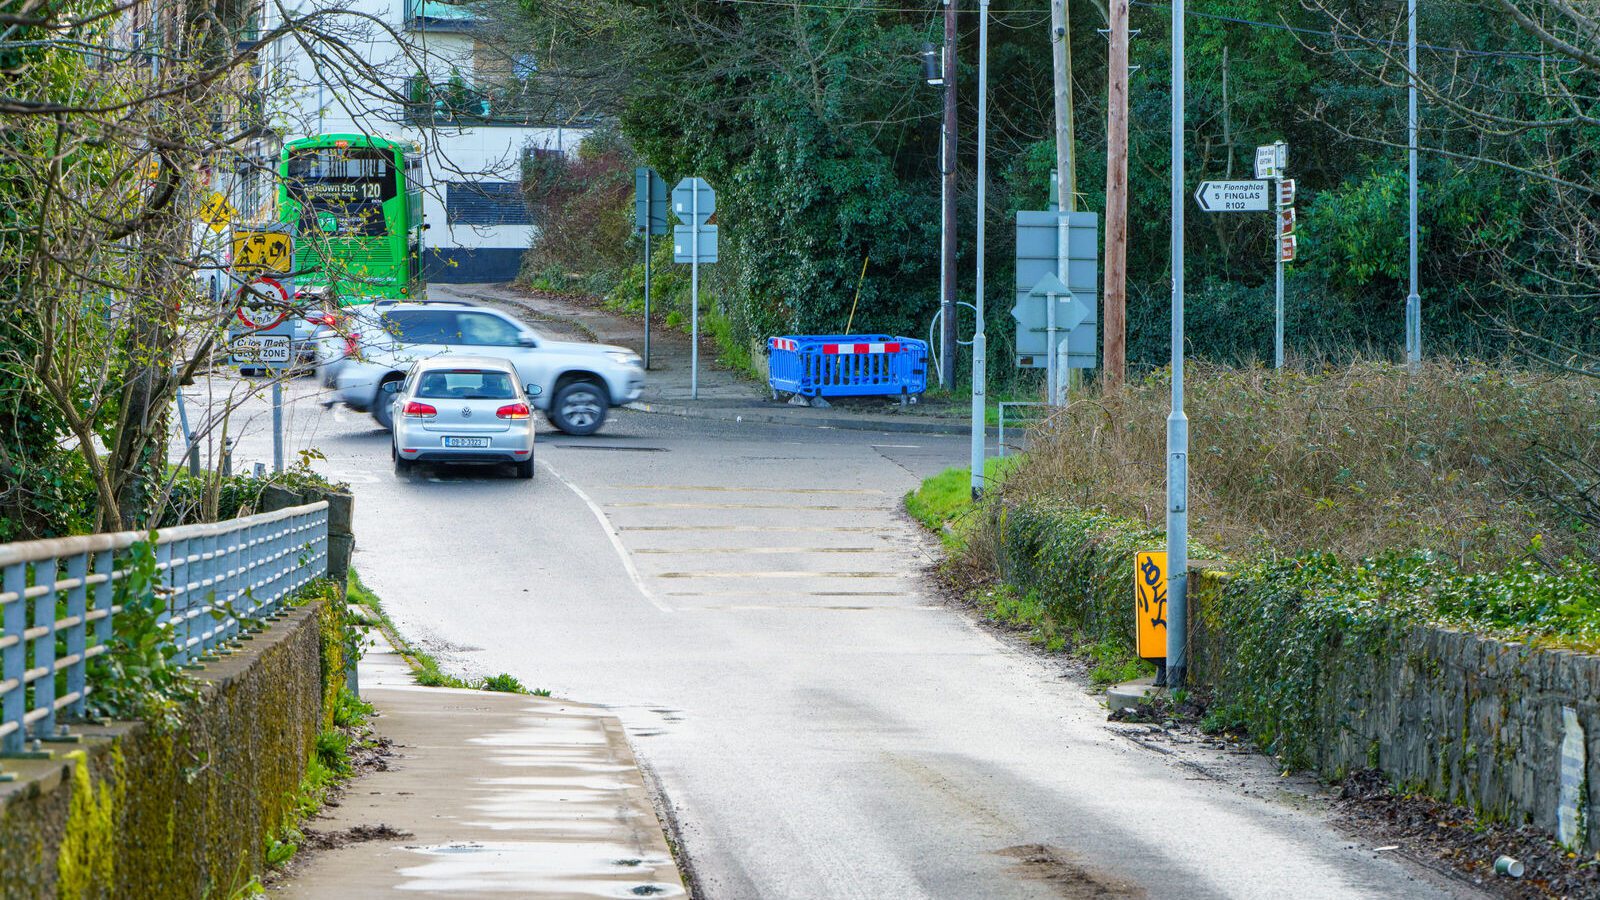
[462,409]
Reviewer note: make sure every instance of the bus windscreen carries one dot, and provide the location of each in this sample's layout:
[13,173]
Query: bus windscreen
[342,191]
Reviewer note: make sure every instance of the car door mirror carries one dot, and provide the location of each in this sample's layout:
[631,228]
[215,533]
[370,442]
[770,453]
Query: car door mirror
[391,387]
[534,390]
[527,340]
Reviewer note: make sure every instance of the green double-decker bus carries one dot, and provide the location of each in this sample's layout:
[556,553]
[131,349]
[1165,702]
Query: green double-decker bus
[357,215]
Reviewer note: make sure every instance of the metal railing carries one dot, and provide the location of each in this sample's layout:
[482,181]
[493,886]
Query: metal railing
[58,601]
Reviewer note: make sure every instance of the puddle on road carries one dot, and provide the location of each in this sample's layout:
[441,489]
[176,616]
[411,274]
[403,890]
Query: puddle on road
[585,869]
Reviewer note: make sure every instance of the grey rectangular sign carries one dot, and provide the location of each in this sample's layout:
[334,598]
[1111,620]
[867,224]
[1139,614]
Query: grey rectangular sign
[1037,238]
[683,243]
[649,201]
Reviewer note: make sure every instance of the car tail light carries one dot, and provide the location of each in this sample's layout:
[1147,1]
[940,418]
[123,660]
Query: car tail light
[417,410]
[327,319]
[513,411]
[351,343]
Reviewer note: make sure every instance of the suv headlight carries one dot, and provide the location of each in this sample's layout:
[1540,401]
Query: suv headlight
[626,358]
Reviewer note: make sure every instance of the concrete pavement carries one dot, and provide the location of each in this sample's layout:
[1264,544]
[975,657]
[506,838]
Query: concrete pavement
[496,794]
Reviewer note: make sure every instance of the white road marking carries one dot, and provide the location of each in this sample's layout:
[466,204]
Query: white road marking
[611,533]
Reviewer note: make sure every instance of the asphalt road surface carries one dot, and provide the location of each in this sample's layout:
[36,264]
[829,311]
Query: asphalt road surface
[749,600]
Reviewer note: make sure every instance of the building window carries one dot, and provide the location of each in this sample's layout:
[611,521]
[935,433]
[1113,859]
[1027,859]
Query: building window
[486,203]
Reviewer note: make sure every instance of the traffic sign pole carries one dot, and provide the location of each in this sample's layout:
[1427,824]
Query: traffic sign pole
[1277,256]
[647,298]
[277,426]
[694,301]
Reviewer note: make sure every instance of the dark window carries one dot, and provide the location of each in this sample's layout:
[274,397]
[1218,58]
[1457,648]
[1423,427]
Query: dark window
[486,203]
[343,191]
[423,326]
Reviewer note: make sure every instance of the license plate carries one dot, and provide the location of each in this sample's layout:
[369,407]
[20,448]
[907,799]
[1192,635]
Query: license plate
[466,442]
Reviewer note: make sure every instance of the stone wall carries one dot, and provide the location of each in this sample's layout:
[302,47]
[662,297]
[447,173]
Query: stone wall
[135,811]
[1508,730]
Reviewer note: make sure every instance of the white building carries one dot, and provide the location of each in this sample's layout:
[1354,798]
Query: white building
[444,84]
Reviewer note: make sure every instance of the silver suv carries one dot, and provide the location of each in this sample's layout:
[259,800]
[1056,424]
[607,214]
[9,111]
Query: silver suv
[578,383]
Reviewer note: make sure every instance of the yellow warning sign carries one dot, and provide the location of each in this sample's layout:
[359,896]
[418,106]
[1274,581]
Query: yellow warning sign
[1150,603]
[263,252]
[217,212]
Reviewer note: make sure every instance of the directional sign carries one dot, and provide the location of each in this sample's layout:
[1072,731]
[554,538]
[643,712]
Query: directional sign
[684,247]
[1233,196]
[650,202]
[694,197]
[259,252]
[1272,160]
[1286,192]
[1287,245]
[217,212]
[1038,245]
[1286,221]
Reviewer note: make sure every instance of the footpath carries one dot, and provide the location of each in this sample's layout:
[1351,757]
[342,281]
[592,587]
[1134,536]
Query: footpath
[488,795]
[723,394]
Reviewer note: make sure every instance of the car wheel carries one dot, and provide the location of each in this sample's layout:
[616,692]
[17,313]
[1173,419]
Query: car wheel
[402,466]
[383,407]
[524,469]
[579,408]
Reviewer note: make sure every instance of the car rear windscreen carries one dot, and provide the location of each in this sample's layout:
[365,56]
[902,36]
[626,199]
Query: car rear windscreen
[466,384]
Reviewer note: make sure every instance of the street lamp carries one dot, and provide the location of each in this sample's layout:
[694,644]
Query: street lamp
[980,344]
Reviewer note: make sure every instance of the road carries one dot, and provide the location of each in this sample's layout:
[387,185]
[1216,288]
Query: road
[748,599]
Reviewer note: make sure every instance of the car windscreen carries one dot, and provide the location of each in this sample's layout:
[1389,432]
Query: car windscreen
[466,384]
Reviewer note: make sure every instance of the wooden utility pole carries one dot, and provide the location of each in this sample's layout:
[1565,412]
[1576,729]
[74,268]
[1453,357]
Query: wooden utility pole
[1116,286]
[947,171]
[1060,382]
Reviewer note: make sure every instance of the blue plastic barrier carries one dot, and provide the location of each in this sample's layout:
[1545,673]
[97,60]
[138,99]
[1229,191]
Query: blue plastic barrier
[847,365]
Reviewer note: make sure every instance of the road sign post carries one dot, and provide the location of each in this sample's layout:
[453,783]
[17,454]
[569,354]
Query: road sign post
[649,217]
[264,341]
[694,202]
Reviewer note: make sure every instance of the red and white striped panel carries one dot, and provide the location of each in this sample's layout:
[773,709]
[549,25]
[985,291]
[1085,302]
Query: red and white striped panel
[861,348]
[783,344]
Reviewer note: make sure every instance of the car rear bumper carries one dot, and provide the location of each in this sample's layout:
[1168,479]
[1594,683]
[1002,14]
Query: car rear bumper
[466,457]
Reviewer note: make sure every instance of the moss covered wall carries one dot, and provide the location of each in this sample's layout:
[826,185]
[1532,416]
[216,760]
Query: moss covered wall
[132,812]
[1465,718]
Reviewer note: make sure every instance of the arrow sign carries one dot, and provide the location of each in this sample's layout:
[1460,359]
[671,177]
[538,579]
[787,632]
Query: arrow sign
[1232,196]
[694,197]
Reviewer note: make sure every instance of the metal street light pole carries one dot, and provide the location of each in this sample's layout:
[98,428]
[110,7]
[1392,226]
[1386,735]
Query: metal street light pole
[979,342]
[948,332]
[1413,300]
[1177,422]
